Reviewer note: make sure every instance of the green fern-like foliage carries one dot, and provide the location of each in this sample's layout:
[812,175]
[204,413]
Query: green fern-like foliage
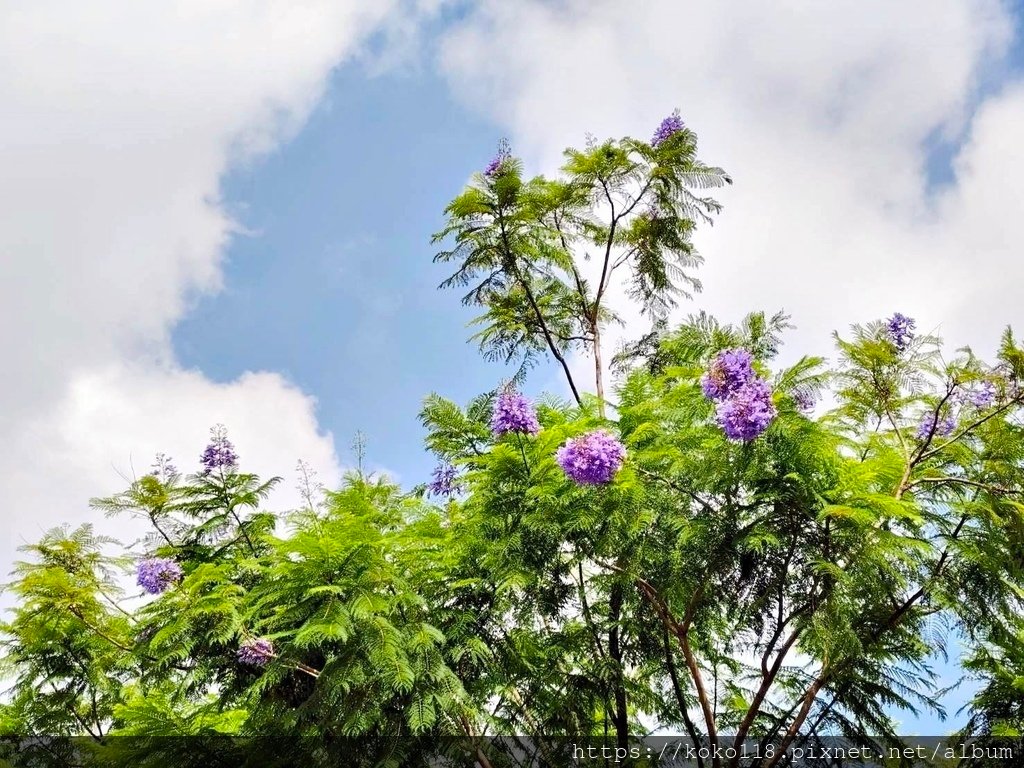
[518,245]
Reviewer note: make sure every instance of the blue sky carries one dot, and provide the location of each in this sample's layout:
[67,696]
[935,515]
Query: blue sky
[335,287]
[872,143]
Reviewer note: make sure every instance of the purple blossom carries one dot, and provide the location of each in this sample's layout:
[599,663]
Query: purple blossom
[747,412]
[156,574]
[162,468]
[804,400]
[593,458]
[514,413]
[901,330]
[730,370]
[669,127]
[445,481]
[503,154]
[980,395]
[943,428]
[256,653]
[220,453]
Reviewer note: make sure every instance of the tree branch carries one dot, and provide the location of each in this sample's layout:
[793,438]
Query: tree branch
[511,259]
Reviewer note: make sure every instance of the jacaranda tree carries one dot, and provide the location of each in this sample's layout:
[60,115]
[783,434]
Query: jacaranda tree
[726,548]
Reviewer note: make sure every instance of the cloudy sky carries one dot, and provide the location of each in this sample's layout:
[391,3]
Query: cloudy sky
[220,210]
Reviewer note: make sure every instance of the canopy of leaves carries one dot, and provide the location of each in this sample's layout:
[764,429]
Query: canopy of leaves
[791,586]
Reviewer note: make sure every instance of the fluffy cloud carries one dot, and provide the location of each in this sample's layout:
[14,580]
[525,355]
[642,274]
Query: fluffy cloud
[119,120]
[112,421]
[822,113]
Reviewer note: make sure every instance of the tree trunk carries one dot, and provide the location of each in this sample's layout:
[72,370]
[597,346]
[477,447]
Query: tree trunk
[598,373]
[621,714]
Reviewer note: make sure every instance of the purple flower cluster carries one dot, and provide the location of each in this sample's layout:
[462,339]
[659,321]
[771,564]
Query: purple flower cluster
[942,428]
[980,395]
[669,127]
[220,453]
[156,574]
[729,372]
[503,154]
[162,468]
[747,412]
[514,413]
[901,330]
[256,653]
[744,400]
[445,481]
[593,458]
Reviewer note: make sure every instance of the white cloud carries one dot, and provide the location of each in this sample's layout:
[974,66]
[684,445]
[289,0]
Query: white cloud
[119,119]
[112,421]
[820,112]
